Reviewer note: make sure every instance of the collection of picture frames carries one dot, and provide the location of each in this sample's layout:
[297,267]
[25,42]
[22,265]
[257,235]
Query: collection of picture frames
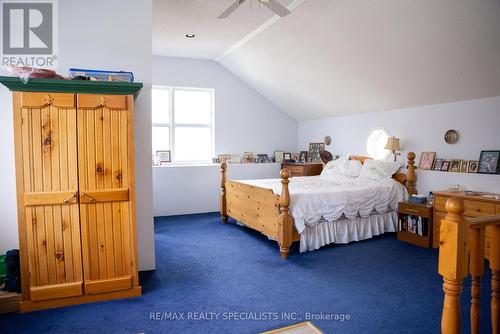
[279,157]
[488,163]
[162,157]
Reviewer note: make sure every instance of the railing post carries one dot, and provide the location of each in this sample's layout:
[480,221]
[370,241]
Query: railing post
[495,278]
[453,263]
[476,242]
[285,228]
[223,205]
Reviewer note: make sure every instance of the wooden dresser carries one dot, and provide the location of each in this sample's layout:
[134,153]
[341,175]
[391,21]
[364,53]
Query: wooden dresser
[303,169]
[475,206]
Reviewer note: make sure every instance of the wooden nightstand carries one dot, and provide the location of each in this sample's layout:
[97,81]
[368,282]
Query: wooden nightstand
[415,224]
[303,169]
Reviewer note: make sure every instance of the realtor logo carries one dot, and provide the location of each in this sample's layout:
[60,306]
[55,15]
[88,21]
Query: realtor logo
[29,33]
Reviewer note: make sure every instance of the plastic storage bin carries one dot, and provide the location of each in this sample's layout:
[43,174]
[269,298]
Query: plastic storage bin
[98,75]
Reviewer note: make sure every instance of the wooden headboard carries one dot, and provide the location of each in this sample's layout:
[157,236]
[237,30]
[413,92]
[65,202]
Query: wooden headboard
[409,179]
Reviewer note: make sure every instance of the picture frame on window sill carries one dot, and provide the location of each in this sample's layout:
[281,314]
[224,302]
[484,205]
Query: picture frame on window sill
[287,156]
[163,156]
[224,158]
[438,164]
[464,166]
[473,166]
[278,156]
[446,165]
[488,162]
[455,165]
[303,156]
[248,158]
[427,160]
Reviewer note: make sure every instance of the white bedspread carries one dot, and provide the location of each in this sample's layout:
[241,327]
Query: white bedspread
[330,197]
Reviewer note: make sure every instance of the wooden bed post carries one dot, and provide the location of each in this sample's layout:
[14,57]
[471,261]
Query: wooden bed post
[285,221]
[411,178]
[453,263]
[223,205]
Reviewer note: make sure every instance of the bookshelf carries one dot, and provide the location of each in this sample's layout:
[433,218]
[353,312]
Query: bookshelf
[415,224]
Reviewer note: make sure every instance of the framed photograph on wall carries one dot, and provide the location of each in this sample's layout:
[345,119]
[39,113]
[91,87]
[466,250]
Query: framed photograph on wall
[488,162]
[315,150]
[464,166]
[427,160]
[163,156]
[438,164]
[473,166]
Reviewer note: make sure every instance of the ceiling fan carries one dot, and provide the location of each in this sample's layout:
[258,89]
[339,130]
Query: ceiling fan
[273,5]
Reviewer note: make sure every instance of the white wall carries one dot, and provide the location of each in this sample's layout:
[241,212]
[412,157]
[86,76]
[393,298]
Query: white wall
[421,129]
[195,189]
[112,34]
[244,121]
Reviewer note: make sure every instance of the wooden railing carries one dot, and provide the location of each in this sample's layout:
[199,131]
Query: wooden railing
[461,252]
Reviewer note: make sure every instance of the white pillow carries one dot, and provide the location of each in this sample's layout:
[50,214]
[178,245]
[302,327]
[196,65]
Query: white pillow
[352,168]
[335,166]
[379,169]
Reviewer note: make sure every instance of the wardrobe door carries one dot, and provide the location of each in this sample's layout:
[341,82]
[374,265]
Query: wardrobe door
[105,149]
[47,177]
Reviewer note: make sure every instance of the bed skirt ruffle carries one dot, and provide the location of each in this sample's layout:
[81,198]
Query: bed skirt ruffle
[345,230]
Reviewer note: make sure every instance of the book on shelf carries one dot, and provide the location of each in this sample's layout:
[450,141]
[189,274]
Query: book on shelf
[414,225]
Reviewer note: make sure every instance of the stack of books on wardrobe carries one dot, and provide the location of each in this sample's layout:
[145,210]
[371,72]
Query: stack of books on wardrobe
[415,225]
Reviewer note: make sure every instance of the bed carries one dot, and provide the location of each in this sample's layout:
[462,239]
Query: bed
[324,209]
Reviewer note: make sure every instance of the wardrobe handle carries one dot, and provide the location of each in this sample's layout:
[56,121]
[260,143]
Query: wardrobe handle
[92,199]
[70,198]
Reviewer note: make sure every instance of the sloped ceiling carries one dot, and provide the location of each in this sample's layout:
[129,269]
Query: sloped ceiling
[337,57]
[173,19]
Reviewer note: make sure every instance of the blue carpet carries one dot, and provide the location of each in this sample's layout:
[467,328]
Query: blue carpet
[382,286]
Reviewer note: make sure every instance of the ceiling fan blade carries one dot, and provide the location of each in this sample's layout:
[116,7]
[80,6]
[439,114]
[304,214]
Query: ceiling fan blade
[230,9]
[276,7]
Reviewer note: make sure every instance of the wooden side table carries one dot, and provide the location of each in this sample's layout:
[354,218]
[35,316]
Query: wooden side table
[303,169]
[415,223]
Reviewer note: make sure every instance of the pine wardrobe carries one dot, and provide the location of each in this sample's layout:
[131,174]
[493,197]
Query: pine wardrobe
[74,152]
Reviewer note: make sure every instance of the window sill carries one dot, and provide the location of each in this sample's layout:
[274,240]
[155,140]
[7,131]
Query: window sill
[210,164]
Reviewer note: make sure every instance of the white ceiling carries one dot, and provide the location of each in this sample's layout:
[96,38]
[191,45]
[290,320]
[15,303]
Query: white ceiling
[337,57]
[173,19]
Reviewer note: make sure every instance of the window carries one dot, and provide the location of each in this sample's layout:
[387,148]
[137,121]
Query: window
[183,123]
[375,145]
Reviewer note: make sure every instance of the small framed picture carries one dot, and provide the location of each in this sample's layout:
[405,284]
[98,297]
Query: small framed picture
[303,156]
[224,158]
[438,164]
[278,156]
[427,160]
[473,166]
[235,159]
[287,156]
[163,156]
[296,156]
[455,165]
[248,157]
[315,150]
[488,162]
[446,165]
[262,158]
[464,166]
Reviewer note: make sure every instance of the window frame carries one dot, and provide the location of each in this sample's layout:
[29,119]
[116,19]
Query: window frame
[380,128]
[172,126]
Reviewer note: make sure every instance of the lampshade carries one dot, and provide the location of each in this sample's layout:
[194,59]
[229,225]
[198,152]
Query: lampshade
[392,144]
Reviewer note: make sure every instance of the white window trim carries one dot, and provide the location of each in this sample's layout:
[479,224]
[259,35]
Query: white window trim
[171,125]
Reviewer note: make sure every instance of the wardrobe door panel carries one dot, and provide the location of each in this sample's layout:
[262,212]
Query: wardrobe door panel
[104,168]
[49,201]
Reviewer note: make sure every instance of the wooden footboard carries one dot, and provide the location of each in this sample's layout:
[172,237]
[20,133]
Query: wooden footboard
[260,209]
